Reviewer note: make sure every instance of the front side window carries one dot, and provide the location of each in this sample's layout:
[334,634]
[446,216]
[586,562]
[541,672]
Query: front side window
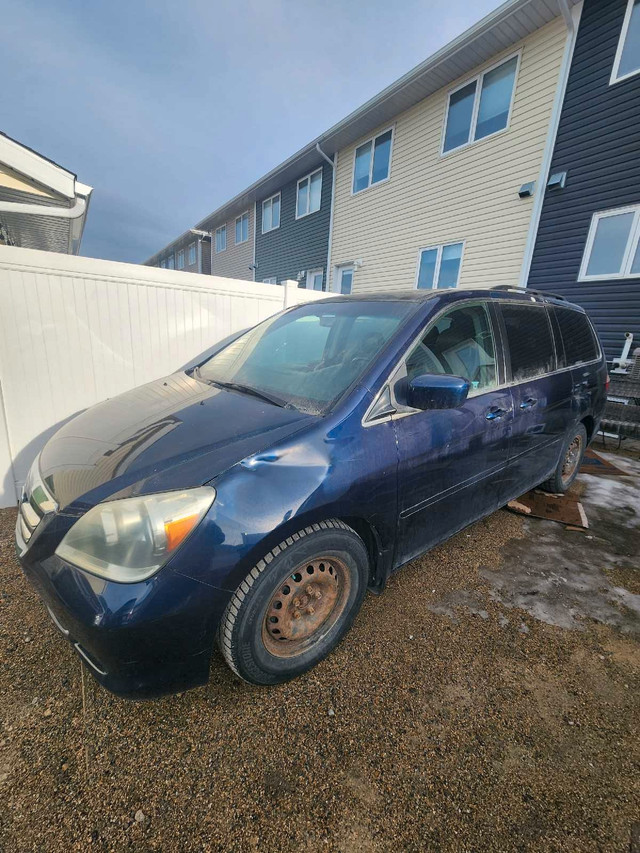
[612,250]
[627,59]
[271,213]
[459,343]
[270,280]
[163,264]
[439,266]
[308,357]
[221,238]
[580,344]
[481,107]
[192,256]
[180,259]
[529,340]
[242,228]
[372,161]
[309,194]
[170,263]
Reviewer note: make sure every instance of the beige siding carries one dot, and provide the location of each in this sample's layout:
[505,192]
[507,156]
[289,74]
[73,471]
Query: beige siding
[14,181]
[468,195]
[234,262]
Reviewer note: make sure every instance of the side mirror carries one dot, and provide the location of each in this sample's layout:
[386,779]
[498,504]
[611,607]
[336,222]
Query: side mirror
[437,391]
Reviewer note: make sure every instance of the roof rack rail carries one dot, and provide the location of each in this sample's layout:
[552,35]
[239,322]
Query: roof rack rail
[514,289]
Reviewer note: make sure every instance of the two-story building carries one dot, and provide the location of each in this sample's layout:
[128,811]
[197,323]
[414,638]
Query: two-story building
[432,183]
[588,239]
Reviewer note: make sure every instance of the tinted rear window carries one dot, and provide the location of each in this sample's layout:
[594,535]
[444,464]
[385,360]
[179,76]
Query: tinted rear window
[577,335]
[530,341]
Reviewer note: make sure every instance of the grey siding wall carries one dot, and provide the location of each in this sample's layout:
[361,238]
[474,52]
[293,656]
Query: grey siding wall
[598,144]
[298,244]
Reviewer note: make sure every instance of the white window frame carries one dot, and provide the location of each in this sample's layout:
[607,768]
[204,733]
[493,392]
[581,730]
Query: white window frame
[302,180]
[310,276]
[337,275]
[163,264]
[629,252]
[270,199]
[270,280]
[372,140]
[623,37]
[436,273]
[171,264]
[192,246]
[239,219]
[180,260]
[478,78]
[220,230]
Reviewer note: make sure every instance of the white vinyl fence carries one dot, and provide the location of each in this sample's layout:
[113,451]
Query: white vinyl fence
[74,331]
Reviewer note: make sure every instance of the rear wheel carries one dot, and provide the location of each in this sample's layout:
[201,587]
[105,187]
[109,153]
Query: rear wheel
[296,604]
[570,461]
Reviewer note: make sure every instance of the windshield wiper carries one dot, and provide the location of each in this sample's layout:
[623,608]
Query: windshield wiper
[247,389]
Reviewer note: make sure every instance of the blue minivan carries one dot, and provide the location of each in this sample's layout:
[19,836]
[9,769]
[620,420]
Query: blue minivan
[253,498]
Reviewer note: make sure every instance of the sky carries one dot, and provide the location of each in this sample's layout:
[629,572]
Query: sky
[169,109]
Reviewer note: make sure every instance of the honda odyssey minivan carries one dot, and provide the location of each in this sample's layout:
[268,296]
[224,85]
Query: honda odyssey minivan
[251,500]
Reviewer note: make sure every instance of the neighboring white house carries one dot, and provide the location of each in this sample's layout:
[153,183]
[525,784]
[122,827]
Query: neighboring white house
[42,205]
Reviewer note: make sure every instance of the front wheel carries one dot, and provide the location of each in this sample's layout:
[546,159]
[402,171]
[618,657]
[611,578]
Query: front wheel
[296,604]
[570,461]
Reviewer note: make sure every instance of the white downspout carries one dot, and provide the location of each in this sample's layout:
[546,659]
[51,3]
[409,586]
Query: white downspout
[333,163]
[571,19]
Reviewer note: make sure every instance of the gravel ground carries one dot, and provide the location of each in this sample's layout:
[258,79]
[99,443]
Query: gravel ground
[457,715]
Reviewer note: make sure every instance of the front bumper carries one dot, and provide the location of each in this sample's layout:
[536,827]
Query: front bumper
[138,640]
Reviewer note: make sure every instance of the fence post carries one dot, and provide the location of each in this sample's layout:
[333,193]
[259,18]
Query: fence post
[289,285]
[8,491]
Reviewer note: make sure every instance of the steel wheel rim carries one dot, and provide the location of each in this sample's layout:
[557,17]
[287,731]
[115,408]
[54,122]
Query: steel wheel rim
[305,606]
[572,459]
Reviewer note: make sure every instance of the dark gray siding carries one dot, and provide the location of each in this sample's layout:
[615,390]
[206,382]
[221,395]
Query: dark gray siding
[598,145]
[298,244]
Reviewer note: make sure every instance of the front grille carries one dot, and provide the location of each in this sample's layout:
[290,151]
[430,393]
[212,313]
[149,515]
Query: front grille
[35,503]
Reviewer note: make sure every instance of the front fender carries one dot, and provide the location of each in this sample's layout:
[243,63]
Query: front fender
[348,472]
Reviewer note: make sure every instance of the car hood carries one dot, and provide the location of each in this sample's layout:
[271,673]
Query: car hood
[173,433]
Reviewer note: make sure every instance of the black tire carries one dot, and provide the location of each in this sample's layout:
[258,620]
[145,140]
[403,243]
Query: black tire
[249,635]
[562,477]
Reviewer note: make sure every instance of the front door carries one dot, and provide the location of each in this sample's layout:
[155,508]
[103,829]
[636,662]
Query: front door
[451,461]
[343,280]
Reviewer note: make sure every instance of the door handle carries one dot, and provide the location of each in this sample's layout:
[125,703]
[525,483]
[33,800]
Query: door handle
[495,413]
[529,403]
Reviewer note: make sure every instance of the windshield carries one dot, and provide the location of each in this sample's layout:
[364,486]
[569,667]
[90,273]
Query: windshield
[307,357]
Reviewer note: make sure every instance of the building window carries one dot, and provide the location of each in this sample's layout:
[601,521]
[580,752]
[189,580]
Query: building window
[309,194]
[170,263]
[627,59]
[270,280]
[242,228]
[221,238]
[192,256]
[612,245]
[439,266]
[343,280]
[480,107]
[314,279]
[372,161]
[163,264]
[271,213]
[180,260]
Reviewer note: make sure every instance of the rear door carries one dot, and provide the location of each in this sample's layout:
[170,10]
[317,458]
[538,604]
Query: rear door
[451,461]
[581,353]
[542,395]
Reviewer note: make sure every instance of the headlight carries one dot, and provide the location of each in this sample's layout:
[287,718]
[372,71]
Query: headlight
[130,539]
